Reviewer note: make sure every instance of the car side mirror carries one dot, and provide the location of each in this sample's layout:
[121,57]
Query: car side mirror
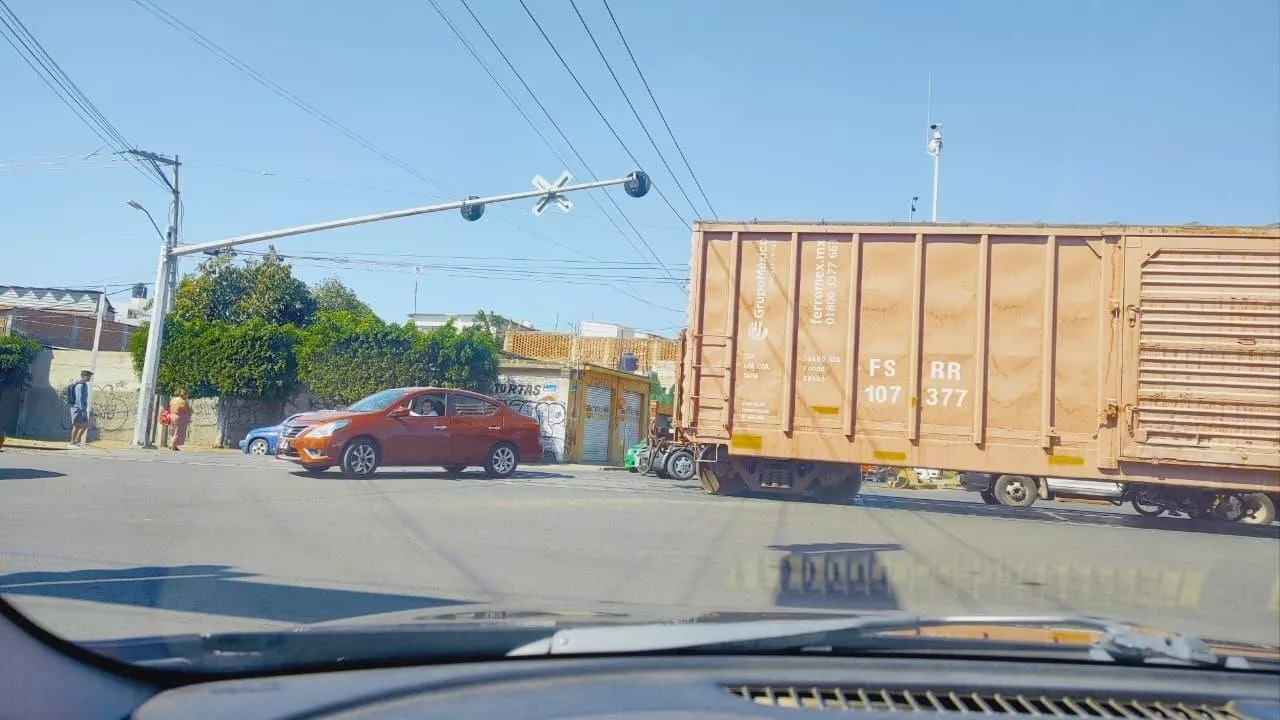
[398,412]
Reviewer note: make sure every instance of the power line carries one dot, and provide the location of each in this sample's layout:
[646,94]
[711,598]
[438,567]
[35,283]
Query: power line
[266,82]
[57,80]
[271,85]
[658,107]
[511,66]
[608,66]
[596,107]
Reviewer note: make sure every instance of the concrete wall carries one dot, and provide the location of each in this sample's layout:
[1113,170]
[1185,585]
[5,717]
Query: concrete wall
[541,392]
[43,413]
[114,400]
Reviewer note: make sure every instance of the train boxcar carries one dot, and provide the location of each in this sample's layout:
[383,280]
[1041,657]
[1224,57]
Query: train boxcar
[1148,356]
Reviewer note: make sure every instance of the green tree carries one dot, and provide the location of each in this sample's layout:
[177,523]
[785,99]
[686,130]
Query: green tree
[345,356]
[331,295]
[16,355]
[253,361]
[223,290]
[657,392]
[185,357]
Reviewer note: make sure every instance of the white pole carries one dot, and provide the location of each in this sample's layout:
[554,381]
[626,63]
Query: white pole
[937,159]
[935,149]
[97,338]
[155,336]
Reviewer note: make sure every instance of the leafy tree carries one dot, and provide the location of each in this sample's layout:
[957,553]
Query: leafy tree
[225,291]
[331,295]
[185,356]
[657,392]
[253,360]
[16,355]
[345,356]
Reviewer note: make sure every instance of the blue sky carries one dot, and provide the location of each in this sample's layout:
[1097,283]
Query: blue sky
[1139,112]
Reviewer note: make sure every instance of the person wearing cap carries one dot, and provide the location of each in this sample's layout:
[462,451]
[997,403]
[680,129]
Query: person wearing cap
[79,397]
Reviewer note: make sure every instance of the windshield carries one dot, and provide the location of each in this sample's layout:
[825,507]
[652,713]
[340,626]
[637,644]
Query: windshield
[728,311]
[377,401]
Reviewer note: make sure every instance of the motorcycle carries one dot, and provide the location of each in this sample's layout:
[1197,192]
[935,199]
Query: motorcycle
[1196,504]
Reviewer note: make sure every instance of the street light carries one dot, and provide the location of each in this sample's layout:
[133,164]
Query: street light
[636,184]
[138,206]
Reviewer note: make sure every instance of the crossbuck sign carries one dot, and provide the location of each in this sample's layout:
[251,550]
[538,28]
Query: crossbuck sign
[562,202]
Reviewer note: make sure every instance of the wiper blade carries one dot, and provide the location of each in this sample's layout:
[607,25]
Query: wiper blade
[1120,642]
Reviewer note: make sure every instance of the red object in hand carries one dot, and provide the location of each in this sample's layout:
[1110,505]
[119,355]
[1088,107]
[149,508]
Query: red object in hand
[164,417]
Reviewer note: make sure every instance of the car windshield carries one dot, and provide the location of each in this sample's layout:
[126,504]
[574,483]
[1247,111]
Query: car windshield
[605,312]
[377,401]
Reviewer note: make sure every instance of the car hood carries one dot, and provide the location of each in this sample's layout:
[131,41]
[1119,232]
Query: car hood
[321,416]
[622,613]
[267,429]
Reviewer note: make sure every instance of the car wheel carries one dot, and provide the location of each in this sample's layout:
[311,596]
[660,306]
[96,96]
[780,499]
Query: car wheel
[454,469]
[258,447]
[988,497]
[360,458]
[1015,491]
[502,461]
[681,466]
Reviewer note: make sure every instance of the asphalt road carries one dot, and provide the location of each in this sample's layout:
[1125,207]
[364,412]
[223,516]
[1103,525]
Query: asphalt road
[97,545]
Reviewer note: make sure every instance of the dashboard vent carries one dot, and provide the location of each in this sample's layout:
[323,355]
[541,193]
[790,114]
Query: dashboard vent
[927,701]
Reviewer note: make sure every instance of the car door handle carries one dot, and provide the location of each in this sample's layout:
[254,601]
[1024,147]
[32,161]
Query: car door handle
[441,427]
[495,427]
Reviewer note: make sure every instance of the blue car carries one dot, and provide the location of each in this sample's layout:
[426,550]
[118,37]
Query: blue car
[262,441]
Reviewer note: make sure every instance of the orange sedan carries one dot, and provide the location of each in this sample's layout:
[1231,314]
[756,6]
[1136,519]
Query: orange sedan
[453,429]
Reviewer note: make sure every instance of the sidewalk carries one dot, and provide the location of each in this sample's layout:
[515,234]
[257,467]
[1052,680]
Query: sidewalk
[99,445]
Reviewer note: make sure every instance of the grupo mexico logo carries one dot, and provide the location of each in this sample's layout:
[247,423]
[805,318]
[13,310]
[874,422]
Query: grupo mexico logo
[757,330]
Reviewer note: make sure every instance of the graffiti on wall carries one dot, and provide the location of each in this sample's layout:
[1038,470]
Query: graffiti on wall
[542,399]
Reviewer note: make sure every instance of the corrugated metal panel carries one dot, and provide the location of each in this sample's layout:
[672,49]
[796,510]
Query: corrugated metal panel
[1203,322]
[596,424]
[632,410]
[984,348]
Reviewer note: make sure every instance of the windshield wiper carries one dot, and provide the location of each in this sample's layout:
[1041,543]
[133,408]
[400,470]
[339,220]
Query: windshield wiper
[1120,643]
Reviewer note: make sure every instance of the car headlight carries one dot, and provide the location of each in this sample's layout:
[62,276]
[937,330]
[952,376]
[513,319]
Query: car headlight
[328,429]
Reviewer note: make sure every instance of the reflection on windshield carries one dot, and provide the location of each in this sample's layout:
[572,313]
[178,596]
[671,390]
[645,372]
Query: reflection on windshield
[377,401]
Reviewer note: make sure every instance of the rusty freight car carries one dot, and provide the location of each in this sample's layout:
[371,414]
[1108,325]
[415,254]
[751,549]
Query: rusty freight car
[1148,356]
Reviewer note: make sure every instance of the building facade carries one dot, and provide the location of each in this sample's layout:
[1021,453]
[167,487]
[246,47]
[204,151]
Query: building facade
[588,413]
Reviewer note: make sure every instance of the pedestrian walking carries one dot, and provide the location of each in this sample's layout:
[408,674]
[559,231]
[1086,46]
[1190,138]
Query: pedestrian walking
[180,414]
[78,404]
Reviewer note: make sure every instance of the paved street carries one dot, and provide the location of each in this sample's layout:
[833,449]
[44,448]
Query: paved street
[96,544]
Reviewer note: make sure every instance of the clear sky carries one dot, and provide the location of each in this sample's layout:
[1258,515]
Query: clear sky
[1160,111]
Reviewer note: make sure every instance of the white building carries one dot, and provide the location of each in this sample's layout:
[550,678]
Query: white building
[431,321]
[593,329]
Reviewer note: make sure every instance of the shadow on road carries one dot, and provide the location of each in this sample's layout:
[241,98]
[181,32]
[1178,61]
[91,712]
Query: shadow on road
[28,474]
[1058,514]
[835,576]
[210,589]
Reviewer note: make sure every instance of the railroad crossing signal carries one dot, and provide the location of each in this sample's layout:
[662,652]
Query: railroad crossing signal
[562,202]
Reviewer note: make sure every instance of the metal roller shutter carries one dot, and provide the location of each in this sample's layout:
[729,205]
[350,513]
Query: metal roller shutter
[595,425]
[631,405]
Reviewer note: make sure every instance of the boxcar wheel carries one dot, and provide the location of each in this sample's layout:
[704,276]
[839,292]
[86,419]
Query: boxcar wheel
[1015,491]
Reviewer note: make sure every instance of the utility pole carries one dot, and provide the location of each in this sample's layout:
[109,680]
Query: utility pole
[166,276]
[935,149]
[637,185]
[97,338]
